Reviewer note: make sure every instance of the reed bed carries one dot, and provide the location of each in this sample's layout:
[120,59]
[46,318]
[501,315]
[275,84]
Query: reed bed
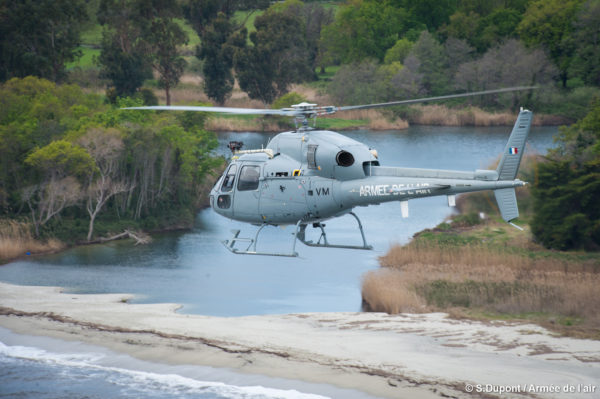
[376,119]
[440,115]
[16,240]
[426,276]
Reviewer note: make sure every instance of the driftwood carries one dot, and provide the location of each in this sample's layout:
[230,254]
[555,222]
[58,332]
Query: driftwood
[139,237]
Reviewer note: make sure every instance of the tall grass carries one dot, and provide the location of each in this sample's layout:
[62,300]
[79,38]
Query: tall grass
[471,116]
[16,240]
[427,276]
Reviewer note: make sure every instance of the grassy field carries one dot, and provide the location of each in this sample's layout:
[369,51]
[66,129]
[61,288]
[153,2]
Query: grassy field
[486,269]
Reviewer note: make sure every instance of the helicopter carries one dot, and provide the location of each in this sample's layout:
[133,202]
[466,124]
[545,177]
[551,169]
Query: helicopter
[306,176]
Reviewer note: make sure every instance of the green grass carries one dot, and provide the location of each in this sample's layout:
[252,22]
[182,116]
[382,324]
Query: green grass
[87,58]
[247,18]
[193,38]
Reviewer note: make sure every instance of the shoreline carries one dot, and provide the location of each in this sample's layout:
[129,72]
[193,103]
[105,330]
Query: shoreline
[406,355]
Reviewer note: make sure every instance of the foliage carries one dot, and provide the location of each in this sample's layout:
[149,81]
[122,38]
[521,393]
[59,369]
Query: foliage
[549,23]
[123,57]
[217,53]
[365,29]
[137,36]
[64,152]
[567,193]
[509,64]
[399,51]
[276,59]
[39,38]
[483,32]
[357,83]
[164,38]
[586,61]
[432,58]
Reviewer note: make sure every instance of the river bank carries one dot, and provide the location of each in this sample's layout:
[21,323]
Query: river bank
[406,355]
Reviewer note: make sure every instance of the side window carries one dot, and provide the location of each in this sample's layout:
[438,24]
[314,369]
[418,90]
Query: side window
[229,179]
[249,178]
[311,156]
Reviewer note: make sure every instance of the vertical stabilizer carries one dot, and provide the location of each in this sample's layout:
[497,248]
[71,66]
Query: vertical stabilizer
[513,152]
[507,203]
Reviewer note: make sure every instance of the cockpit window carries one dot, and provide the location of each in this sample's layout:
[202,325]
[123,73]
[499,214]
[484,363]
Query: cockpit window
[249,178]
[229,179]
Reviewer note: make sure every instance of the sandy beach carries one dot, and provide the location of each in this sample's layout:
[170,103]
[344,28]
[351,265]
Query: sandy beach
[399,356]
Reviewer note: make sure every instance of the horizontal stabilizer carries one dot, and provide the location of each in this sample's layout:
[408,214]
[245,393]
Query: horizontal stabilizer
[511,158]
[507,202]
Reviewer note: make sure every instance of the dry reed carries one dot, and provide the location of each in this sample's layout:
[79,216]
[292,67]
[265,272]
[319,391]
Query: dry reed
[441,115]
[16,240]
[483,278]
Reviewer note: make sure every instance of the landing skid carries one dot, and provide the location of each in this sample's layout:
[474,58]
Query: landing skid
[299,234]
[322,242]
[251,249]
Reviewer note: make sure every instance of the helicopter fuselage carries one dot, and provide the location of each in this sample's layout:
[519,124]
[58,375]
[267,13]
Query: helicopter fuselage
[308,176]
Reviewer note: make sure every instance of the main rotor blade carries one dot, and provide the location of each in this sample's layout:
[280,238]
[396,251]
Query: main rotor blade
[422,100]
[224,110]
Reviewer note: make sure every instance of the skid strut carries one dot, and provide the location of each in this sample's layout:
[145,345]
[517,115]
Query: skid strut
[322,242]
[251,249]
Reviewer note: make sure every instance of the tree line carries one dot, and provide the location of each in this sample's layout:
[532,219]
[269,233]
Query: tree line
[402,47]
[66,157]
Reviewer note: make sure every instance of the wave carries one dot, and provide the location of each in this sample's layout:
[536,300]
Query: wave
[144,383]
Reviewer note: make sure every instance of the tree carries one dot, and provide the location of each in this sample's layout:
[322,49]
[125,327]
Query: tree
[217,53]
[123,57]
[39,37]
[510,64]
[549,23]
[432,13]
[276,59]
[433,63]
[314,18]
[126,70]
[33,113]
[365,29]
[106,148]
[567,192]
[59,165]
[213,21]
[358,83]
[164,37]
[399,51]
[586,38]
[408,82]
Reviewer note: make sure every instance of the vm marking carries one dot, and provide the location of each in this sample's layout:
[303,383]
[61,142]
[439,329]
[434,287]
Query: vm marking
[323,191]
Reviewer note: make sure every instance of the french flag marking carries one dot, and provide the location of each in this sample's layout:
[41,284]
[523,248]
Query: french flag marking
[513,151]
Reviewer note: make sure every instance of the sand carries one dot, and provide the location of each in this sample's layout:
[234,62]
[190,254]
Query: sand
[392,356]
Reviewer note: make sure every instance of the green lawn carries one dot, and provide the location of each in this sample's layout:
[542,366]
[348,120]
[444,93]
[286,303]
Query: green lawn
[87,58]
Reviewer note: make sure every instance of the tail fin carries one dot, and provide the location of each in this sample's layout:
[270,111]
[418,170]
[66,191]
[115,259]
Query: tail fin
[509,166]
[511,158]
[507,203]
